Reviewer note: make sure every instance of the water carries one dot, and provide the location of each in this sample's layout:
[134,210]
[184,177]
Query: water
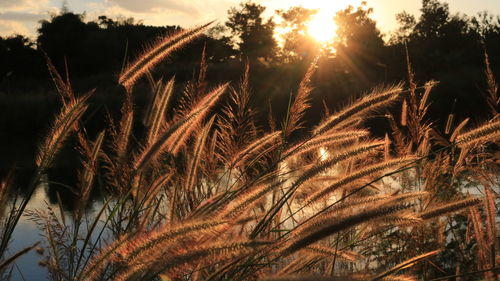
[27,232]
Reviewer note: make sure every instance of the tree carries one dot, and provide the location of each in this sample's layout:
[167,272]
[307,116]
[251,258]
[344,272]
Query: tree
[19,58]
[407,24]
[360,46]
[63,38]
[357,33]
[251,34]
[435,16]
[298,44]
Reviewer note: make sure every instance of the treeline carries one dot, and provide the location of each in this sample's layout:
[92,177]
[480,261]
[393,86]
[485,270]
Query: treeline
[441,46]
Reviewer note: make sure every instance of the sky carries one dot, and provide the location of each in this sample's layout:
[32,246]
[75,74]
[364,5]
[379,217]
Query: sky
[22,16]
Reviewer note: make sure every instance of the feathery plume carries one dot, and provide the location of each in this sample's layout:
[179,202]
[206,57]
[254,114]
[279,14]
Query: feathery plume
[159,107]
[458,129]
[324,140]
[193,165]
[493,99]
[371,102]
[156,53]
[366,171]
[448,208]
[329,252]
[175,136]
[338,225]
[343,155]
[488,132]
[423,101]
[405,264]
[64,124]
[203,106]
[449,123]
[309,278]
[301,102]
[241,157]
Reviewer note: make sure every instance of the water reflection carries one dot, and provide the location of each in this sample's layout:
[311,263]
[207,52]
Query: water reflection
[56,188]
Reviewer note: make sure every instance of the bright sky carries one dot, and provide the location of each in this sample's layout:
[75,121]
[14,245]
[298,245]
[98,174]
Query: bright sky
[22,16]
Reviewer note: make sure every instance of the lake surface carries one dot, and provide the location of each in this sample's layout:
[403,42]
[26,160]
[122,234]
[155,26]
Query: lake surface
[27,232]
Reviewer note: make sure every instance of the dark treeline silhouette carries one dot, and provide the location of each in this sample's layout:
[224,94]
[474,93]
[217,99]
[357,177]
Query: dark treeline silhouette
[449,48]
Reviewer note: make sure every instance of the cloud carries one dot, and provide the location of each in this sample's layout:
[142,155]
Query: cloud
[13,3]
[21,16]
[144,6]
[22,4]
[9,28]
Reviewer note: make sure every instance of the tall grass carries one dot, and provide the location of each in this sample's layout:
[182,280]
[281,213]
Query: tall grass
[199,195]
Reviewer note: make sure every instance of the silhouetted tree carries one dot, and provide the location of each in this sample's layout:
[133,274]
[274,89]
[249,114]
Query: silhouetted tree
[298,44]
[63,37]
[251,34]
[18,58]
[360,45]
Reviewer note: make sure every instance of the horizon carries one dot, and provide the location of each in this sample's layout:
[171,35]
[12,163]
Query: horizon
[22,17]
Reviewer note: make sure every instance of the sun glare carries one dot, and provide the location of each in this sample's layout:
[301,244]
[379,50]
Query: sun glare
[322,27]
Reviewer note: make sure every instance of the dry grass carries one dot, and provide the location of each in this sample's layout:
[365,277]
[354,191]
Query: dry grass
[204,196]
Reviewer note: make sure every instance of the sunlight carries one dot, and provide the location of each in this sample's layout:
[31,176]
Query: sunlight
[322,28]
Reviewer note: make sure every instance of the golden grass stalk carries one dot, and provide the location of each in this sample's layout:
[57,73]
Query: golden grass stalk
[488,132]
[343,155]
[404,113]
[423,101]
[94,269]
[405,264]
[458,129]
[247,199]
[89,172]
[145,243]
[324,140]
[387,147]
[309,278]
[63,87]
[253,148]
[300,103]
[330,252]
[63,125]
[449,123]
[298,264]
[175,136]
[333,213]
[448,208]
[371,102]
[210,252]
[194,162]
[5,185]
[5,263]
[236,123]
[493,99]
[156,53]
[403,219]
[203,106]
[122,138]
[363,172]
[335,226]
[159,107]
[490,210]
[482,247]
[400,278]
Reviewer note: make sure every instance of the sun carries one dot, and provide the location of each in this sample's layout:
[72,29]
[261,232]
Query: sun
[322,27]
